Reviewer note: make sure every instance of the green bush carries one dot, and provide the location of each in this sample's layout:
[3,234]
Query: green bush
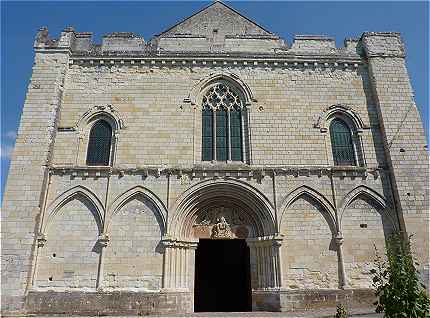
[396,280]
[341,311]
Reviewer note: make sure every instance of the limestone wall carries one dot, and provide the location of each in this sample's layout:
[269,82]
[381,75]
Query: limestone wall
[150,100]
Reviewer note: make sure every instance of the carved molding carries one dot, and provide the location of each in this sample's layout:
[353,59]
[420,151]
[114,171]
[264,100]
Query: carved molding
[244,171]
[170,242]
[101,111]
[344,110]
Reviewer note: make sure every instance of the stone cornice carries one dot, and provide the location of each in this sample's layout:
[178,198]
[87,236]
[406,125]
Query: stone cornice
[218,171]
[340,62]
[224,57]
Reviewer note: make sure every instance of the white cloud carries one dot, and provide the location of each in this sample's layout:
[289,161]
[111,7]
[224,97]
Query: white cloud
[6,151]
[11,134]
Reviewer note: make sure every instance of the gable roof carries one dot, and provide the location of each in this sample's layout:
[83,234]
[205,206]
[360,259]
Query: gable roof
[217,17]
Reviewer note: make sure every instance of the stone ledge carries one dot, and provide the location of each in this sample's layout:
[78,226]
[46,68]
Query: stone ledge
[108,303]
[312,299]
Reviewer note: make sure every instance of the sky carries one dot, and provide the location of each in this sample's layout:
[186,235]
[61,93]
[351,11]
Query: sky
[21,20]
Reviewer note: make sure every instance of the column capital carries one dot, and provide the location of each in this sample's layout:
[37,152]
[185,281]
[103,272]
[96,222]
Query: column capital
[170,242]
[103,239]
[270,240]
[338,238]
[41,239]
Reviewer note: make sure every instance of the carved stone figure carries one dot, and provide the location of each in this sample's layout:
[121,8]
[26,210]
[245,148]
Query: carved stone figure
[221,230]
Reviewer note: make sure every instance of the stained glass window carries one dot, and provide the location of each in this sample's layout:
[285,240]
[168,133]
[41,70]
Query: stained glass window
[221,124]
[342,143]
[99,144]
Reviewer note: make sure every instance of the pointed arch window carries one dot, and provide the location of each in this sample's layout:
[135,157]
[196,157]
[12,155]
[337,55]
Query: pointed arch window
[342,143]
[222,116]
[99,144]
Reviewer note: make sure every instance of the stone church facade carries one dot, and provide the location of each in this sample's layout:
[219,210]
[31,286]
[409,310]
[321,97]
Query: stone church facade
[215,153]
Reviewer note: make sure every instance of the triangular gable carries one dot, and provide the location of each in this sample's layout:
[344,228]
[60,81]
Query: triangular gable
[216,18]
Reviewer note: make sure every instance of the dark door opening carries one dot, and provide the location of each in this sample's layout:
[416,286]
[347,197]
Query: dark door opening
[222,281]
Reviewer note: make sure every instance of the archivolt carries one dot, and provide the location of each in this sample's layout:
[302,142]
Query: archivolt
[371,194]
[199,195]
[305,191]
[67,196]
[107,112]
[345,111]
[133,193]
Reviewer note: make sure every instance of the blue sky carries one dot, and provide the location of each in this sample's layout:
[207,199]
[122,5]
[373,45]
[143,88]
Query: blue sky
[20,21]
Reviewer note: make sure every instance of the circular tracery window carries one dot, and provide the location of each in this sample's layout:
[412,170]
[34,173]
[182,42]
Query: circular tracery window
[221,96]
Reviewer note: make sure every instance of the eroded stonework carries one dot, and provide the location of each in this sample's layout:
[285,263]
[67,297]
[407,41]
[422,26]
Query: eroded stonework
[121,238]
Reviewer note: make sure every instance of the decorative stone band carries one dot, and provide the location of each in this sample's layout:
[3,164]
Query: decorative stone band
[293,61]
[217,171]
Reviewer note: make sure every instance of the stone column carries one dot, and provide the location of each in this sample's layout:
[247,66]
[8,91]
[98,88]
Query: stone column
[340,262]
[277,248]
[102,243]
[178,269]
[267,260]
[41,241]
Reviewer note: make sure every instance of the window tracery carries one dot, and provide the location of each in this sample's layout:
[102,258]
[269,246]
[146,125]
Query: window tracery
[222,136]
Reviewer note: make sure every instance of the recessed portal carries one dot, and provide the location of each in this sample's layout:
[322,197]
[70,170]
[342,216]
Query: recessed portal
[222,281]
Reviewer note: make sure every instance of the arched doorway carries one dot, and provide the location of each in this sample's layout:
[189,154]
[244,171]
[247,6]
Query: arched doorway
[222,262]
[222,276]
[227,231]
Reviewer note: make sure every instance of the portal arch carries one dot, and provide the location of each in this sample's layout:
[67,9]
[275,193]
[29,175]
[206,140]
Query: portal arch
[237,210]
[256,208]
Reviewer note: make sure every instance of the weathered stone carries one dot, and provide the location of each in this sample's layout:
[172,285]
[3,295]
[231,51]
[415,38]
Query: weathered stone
[121,237]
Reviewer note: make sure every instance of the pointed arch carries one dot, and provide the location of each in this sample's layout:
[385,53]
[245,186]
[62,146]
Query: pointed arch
[370,194]
[69,195]
[223,99]
[133,193]
[195,93]
[305,191]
